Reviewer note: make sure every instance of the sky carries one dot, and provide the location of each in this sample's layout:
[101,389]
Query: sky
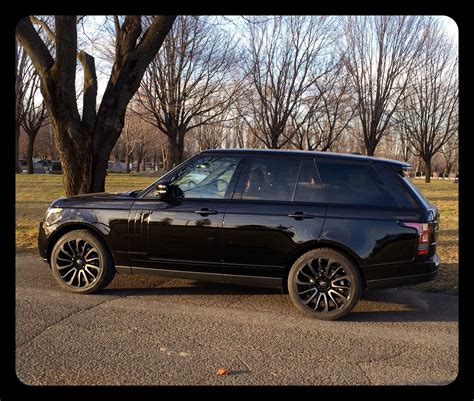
[94,28]
[450,26]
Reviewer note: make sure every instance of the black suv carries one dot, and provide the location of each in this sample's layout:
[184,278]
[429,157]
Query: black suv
[320,225]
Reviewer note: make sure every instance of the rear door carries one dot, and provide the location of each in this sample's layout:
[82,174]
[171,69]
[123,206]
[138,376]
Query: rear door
[277,206]
[363,216]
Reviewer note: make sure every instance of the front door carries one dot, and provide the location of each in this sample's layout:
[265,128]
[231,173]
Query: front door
[186,234]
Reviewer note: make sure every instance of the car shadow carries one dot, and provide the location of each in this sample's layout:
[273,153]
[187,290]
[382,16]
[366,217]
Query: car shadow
[403,305]
[391,305]
[184,287]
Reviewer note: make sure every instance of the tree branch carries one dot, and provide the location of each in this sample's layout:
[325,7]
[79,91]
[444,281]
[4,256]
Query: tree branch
[34,46]
[90,89]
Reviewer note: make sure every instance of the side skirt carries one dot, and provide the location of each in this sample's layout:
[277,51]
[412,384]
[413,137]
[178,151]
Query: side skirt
[258,281]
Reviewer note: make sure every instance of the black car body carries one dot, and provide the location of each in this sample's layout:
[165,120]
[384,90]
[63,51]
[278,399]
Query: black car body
[247,216]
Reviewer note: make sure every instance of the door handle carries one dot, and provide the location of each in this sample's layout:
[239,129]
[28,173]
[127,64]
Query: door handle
[206,211]
[301,215]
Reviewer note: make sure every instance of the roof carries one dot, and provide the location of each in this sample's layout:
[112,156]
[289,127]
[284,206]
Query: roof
[319,155]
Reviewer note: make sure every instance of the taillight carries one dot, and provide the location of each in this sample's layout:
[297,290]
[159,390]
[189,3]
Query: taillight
[423,236]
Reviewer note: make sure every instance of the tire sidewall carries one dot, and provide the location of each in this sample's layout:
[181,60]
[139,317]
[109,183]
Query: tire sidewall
[350,268]
[104,261]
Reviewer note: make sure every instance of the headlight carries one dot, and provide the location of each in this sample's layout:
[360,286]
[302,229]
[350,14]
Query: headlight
[53,214]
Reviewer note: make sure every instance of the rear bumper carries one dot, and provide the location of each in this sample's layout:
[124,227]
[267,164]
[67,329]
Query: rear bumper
[423,271]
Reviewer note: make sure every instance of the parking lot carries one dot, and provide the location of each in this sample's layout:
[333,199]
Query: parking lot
[151,331]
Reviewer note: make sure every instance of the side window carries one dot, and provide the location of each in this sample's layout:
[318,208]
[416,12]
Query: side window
[207,177]
[308,188]
[353,184]
[392,181]
[271,178]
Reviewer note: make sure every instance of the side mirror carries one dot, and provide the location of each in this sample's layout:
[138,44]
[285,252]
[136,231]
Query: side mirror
[168,191]
[161,190]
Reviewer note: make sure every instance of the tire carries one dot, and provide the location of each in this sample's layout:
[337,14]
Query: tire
[327,296]
[81,262]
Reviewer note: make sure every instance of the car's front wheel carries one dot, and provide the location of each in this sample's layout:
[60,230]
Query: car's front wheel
[81,262]
[325,284]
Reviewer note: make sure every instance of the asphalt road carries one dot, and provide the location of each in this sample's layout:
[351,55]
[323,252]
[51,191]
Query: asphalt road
[152,331]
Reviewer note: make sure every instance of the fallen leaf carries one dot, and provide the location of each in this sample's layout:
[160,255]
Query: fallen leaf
[223,372]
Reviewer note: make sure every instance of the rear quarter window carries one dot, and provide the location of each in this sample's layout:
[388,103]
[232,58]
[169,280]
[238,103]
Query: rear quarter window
[393,181]
[351,183]
[415,190]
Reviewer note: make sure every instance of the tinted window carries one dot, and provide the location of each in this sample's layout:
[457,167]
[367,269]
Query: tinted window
[392,182]
[207,177]
[308,188]
[271,179]
[417,191]
[353,184]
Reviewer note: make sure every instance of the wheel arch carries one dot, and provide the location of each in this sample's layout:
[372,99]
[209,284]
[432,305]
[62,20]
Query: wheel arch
[72,226]
[309,246]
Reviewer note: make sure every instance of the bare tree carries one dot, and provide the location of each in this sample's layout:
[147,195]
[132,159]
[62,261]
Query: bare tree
[33,111]
[188,84]
[133,135]
[22,70]
[282,66]
[380,54]
[143,148]
[85,141]
[429,110]
[332,113]
[404,148]
[450,152]
[209,136]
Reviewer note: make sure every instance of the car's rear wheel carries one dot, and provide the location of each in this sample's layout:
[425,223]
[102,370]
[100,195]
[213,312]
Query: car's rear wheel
[81,262]
[325,284]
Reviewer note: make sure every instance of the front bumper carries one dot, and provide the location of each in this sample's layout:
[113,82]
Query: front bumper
[42,242]
[420,272]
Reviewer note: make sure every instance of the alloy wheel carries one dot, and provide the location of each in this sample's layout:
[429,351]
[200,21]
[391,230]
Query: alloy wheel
[78,263]
[323,285]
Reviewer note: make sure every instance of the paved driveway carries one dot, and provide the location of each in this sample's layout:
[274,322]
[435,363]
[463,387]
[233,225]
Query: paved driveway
[147,330]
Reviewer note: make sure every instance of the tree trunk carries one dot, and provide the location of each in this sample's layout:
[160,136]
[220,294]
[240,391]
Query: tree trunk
[74,151]
[29,152]
[449,167]
[427,171]
[370,147]
[138,165]
[99,172]
[175,152]
[17,147]
[128,160]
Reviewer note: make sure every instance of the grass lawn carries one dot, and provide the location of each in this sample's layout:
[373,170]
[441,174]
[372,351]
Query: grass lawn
[34,193]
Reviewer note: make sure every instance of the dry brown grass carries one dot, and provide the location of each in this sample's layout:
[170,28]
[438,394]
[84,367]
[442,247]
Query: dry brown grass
[444,195]
[34,193]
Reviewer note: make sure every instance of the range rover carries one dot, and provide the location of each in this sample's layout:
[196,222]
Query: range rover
[321,226]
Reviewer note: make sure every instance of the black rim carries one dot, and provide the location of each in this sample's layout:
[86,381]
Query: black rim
[323,285]
[78,263]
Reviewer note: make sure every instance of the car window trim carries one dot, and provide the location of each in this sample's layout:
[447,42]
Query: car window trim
[318,176]
[297,181]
